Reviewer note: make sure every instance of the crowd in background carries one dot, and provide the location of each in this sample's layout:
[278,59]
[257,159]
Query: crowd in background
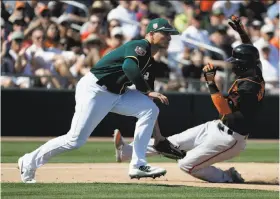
[51,44]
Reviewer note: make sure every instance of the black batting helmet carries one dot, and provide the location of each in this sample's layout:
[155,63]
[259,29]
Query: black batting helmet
[244,57]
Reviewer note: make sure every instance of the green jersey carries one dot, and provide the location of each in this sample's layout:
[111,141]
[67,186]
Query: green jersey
[111,73]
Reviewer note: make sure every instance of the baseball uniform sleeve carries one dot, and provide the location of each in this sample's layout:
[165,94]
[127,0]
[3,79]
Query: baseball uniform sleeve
[132,71]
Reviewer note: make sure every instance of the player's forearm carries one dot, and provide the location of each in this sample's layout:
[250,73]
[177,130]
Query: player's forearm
[219,101]
[245,38]
[133,73]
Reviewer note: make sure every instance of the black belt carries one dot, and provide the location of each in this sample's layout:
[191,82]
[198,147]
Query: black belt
[229,131]
[115,91]
[222,128]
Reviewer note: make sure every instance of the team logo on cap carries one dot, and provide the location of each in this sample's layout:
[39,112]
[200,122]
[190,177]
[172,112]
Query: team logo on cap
[140,51]
[155,25]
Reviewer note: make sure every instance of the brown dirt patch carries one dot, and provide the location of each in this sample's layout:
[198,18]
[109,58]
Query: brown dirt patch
[261,176]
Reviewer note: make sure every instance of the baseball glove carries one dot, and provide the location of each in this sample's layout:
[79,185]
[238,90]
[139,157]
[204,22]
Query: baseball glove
[167,149]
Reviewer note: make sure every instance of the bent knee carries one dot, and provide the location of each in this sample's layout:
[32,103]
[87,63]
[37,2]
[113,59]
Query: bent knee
[186,167]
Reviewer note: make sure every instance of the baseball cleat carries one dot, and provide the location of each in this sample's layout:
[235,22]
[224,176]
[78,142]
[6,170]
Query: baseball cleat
[146,172]
[236,177]
[27,175]
[119,142]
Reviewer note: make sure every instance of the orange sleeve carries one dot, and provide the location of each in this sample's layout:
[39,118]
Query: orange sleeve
[221,103]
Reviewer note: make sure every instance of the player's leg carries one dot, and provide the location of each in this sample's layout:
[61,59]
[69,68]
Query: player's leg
[134,103]
[186,140]
[189,138]
[124,150]
[216,147]
[92,105]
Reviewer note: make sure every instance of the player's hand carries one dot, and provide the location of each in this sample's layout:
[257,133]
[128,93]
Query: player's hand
[161,97]
[236,24]
[209,72]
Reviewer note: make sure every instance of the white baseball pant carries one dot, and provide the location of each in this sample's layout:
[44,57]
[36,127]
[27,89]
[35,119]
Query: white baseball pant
[93,103]
[205,145]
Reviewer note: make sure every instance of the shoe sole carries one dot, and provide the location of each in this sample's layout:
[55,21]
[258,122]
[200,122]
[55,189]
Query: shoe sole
[158,175]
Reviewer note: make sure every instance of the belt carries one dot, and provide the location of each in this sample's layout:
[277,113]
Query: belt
[229,131]
[101,84]
[222,128]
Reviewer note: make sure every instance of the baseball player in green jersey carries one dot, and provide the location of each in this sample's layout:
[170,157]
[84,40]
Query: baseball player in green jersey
[103,90]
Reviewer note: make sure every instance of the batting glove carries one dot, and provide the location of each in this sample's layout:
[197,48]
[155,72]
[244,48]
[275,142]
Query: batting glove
[209,72]
[236,24]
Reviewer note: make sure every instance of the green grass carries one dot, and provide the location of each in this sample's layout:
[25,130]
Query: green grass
[93,152]
[114,191]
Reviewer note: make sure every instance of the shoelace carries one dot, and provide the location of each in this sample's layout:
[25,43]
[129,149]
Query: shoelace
[145,168]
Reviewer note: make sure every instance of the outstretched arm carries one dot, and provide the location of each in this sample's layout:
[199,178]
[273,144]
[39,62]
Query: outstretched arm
[237,25]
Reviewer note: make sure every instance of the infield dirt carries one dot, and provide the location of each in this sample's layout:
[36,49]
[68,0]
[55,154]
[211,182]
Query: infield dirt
[261,176]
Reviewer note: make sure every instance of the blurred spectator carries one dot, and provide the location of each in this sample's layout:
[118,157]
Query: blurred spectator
[275,40]
[52,36]
[93,26]
[69,38]
[182,20]
[116,39]
[206,6]
[273,10]
[30,10]
[269,72]
[255,10]
[161,64]
[101,9]
[267,32]
[52,60]
[229,7]
[63,39]
[217,18]
[14,61]
[221,40]
[143,26]
[91,55]
[127,18]
[255,30]
[143,9]
[18,22]
[112,24]
[76,14]
[195,32]
[161,8]
[19,9]
[193,69]
[42,19]
[4,13]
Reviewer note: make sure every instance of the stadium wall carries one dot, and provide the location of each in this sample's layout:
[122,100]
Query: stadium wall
[49,113]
